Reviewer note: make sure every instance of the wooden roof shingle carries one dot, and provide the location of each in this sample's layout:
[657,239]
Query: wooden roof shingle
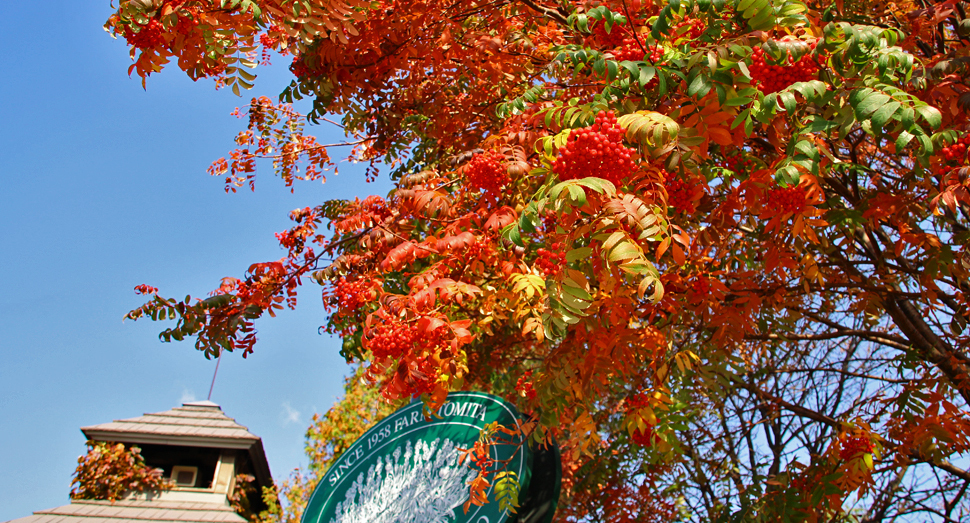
[192,422]
[135,511]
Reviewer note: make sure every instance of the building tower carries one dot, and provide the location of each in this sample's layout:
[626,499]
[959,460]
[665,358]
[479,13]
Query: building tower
[204,452]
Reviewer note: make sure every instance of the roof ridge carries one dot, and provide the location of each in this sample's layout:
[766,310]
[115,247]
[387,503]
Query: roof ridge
[164,415]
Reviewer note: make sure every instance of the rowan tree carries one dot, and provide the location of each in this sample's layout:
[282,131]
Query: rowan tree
[715,249]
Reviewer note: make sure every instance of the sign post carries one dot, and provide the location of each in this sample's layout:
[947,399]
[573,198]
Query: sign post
[405,469]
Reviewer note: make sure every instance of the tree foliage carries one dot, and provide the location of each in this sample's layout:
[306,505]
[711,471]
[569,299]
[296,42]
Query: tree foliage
[111,471]
[716,249]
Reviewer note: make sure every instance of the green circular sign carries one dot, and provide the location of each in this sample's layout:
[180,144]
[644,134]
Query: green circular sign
[405,469]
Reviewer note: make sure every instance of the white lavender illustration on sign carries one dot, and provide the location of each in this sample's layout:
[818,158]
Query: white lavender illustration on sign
[424,485]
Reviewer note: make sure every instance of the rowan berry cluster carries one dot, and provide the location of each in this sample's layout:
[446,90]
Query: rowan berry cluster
[612,39]
[690,28]
[774,78]
[351,295]
[485,171]
[680,193]
[738,162]
[700,287]
[596,151]
[147,36]
[391,339]
[631,50]
[524,386]
[855,446]
[643,437]
[787,200]
[549,221]
[954,156]
[188,20]
[957,151]
[551,262]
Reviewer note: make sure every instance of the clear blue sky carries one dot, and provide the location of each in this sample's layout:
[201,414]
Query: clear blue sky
[104,188]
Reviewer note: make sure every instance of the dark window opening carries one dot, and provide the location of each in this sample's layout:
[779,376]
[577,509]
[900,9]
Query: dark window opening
[166,457]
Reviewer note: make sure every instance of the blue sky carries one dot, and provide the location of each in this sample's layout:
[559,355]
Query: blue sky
[104,188]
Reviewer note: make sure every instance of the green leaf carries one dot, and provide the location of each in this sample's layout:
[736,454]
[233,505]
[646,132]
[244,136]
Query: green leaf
[930,114]
[647,74]
[624,251]
[871,104]
[788,99]
[885,113]
[700,86]
[579,253]
[511,233]
[903,139]
[734,102]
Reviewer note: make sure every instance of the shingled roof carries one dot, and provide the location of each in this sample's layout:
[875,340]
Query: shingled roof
[194,424]
[134,511]
[200,423]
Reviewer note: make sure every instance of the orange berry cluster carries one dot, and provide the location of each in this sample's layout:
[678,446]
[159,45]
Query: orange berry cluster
[596,151]
[643,437]
[700,287]
[631,50]
[485,171]
[855,446]
[774,78]
[148,35]
[612,39]
[551,262]
[787,200]
[680,193]
[524,386]
[352,295]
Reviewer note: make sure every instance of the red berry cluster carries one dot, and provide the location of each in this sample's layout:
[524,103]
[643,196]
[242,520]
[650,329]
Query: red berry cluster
[787,200]
[148,35]
[690,28]
[485,171]
[631,50]
[700,287]
[188,20]
[855,446]
[596,151]
[549,222]
[957,151]
[738,162]
[643,437]
[352,295]
[680,193]
[524,386]
[955,156]
[551,262]
[612,39]
[391,339]
[774,78]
